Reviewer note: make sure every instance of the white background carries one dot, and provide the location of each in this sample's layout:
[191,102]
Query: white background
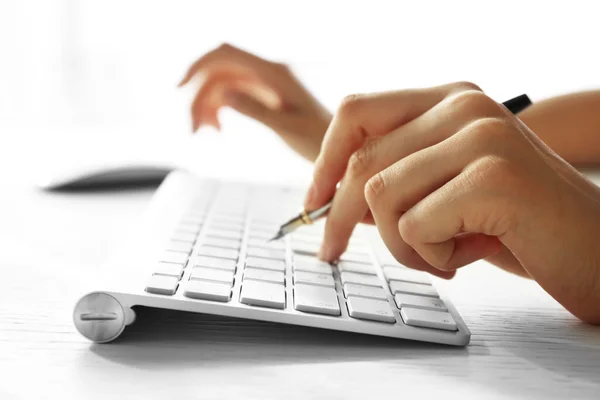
[89,81]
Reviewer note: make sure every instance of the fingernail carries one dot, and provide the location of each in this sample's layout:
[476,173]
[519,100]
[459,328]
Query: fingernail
[311,196]
[325,253]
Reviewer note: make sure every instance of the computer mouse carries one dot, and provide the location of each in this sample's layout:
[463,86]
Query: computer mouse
[105,176]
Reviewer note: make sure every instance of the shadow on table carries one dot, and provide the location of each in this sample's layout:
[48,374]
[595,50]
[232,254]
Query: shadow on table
[106,187]
[164,338]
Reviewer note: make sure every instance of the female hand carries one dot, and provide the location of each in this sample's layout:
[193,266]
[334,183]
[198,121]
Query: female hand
[451,177]
[260,89]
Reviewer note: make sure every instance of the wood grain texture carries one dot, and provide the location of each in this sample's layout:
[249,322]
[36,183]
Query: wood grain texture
[524,345]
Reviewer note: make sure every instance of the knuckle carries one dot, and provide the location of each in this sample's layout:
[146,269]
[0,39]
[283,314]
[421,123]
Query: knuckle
[408,230]
[282,67]
[374,189]
[466,85]
[360,162]
[224,47]
[488,131]
[350,104]
[474,102]
[482,178]
[319,171]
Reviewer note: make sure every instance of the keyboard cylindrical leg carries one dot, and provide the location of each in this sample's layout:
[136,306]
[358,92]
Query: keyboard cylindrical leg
[100,317]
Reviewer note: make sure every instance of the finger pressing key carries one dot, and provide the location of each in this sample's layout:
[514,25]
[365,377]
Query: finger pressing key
[363,139]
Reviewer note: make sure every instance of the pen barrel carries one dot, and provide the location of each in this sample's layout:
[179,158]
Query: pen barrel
[316,214]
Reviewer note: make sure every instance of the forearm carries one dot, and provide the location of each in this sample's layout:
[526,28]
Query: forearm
[569,125]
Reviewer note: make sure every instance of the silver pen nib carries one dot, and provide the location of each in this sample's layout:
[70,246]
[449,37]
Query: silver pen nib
[278,236]
[304,218]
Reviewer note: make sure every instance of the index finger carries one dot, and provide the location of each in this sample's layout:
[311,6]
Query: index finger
[363,117]
[226,56]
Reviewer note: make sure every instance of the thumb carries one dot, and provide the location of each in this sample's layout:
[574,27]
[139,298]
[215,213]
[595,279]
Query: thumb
[253,108]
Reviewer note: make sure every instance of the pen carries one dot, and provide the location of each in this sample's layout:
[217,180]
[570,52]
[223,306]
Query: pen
[514,105]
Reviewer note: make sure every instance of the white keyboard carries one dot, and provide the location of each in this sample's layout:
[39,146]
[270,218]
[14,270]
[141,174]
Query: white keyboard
[203,248]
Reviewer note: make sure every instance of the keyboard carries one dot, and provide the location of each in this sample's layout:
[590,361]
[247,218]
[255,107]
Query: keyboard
[203,247]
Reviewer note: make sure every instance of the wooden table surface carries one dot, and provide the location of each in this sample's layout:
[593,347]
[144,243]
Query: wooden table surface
[524,345]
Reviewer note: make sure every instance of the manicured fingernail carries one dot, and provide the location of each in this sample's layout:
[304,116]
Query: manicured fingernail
[311,196]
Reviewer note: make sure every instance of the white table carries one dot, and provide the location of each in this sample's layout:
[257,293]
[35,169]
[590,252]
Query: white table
[524,345]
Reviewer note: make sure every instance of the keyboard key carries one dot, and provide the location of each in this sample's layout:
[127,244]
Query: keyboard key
[193,219]
[386,263]
[370,292]
[189,228]
[211,262]
[263,229]
[361,279]
[412,288]
[347,266]
[227,226]
[228,218]
[265,263]
[357,248]
[262,235]
[308,238]
[264,275]
[428,319]
[205,290]
[265,224]
[422,302]
[180,247]
[310,278]
[363,258]
[174,257]
[374,310]
[311,264]
[218,252]
[220,242]
[406,275]
[263,294]
[263,244]
[184,237]
[305,247]
[225,234]
[213,274]
[169,269]
[191,222]
[316,299]
[266,253]
[161,284]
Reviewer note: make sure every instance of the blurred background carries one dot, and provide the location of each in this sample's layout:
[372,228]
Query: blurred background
[86,81]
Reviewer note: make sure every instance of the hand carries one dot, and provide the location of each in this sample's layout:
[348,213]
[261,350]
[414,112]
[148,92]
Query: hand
[451,177]
[260,89]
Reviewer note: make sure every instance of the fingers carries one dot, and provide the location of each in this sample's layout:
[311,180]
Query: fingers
[229,58]
[434,126]
[386,217]
[431,202]
[365,117]
[442,243]
[253,108]
[211,97]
